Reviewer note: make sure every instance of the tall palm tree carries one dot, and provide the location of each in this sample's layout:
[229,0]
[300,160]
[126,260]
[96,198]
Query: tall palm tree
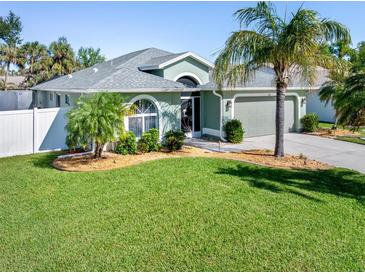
[289,47]
[8,56]
[63,57]
[32,53]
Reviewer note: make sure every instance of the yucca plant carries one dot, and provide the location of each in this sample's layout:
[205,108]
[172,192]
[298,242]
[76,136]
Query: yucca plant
[289,47]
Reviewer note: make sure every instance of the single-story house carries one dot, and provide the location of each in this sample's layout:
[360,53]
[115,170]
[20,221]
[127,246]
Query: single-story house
[176,90]
[325,112]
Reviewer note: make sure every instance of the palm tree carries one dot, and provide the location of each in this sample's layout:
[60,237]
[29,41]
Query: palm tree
[289,47]
[32,53]
[63,57]
[98,119]
[88,57]
[8,56]
[350,103]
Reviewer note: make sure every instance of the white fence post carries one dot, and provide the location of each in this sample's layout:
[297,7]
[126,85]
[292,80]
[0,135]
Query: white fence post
[35,128]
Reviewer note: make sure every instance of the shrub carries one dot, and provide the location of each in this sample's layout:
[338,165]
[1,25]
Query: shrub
[174,140]
[310,122]
[127,144]
[149,141]
[234,131]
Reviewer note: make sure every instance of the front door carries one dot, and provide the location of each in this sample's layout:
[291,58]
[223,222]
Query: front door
[190,115]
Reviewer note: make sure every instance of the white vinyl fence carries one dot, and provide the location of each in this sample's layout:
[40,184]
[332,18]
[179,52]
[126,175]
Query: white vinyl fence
[31,131]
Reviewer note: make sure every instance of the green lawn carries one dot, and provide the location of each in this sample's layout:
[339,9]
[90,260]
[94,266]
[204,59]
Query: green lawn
[195,214]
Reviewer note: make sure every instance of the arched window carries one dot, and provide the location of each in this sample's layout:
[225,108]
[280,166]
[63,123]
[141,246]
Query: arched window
[187,81]
[144,117]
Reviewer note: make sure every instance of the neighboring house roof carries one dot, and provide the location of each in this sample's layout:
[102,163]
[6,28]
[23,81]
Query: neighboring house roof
[119,74]
[14,80]
[264,78]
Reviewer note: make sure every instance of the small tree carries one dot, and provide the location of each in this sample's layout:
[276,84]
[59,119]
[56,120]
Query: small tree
[98,119]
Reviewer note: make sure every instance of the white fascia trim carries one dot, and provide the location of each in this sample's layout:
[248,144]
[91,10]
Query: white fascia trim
[138,90]
[177,77]
[178,58]
[290,94]
[267,88]
[155,102]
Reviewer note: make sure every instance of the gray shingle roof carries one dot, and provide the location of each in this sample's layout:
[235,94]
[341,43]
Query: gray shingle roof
[265,78]
[119,74]
[156,61]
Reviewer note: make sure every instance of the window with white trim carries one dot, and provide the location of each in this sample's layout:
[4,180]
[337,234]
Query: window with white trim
[51,96]
[144,117]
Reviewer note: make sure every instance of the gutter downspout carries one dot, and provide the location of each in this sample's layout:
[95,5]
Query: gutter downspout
[220,114]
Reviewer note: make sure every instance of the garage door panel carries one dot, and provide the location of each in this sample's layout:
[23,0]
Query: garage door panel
[258,115]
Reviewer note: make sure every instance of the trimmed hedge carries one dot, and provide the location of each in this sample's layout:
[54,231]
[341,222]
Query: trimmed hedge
[234,131]
[310,122]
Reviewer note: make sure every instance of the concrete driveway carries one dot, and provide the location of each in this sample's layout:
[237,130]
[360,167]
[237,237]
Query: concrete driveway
[333,152]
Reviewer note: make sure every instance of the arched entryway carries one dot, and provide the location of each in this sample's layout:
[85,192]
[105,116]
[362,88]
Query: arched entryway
[190,107]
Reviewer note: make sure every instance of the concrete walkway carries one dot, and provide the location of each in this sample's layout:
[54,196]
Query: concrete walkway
[333,152]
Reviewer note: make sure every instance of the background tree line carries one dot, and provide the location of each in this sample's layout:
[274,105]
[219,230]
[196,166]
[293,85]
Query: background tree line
[36,61]
[346,87]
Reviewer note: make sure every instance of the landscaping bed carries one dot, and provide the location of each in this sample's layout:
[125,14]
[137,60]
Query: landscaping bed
[112,160]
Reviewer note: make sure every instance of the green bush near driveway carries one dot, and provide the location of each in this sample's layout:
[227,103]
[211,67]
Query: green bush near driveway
[310,122]
[234,131]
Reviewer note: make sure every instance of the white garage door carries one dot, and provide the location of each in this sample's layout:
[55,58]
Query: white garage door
[257,115]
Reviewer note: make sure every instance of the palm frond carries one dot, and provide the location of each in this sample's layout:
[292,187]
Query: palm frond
[244,52]
[263,17]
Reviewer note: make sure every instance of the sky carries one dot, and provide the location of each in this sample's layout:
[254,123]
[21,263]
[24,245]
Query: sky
[121,27]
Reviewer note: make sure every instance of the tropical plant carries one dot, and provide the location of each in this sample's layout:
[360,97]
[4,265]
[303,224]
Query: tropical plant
[33,55]
[63,57]
[127,144]
[8,56]
[88,57]
[98,119]
[349,102]
[10,30]
[288,47]
[174,140]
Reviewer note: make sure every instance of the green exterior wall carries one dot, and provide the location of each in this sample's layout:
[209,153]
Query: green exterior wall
[187,65]
[169,102]
[210,110]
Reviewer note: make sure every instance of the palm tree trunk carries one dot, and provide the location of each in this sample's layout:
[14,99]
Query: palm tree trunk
[279,119]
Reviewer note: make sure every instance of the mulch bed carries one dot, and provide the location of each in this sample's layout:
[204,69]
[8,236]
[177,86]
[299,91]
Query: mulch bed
[330,133]
[112,160]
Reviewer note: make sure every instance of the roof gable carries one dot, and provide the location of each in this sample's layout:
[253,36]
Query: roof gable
[164,61]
